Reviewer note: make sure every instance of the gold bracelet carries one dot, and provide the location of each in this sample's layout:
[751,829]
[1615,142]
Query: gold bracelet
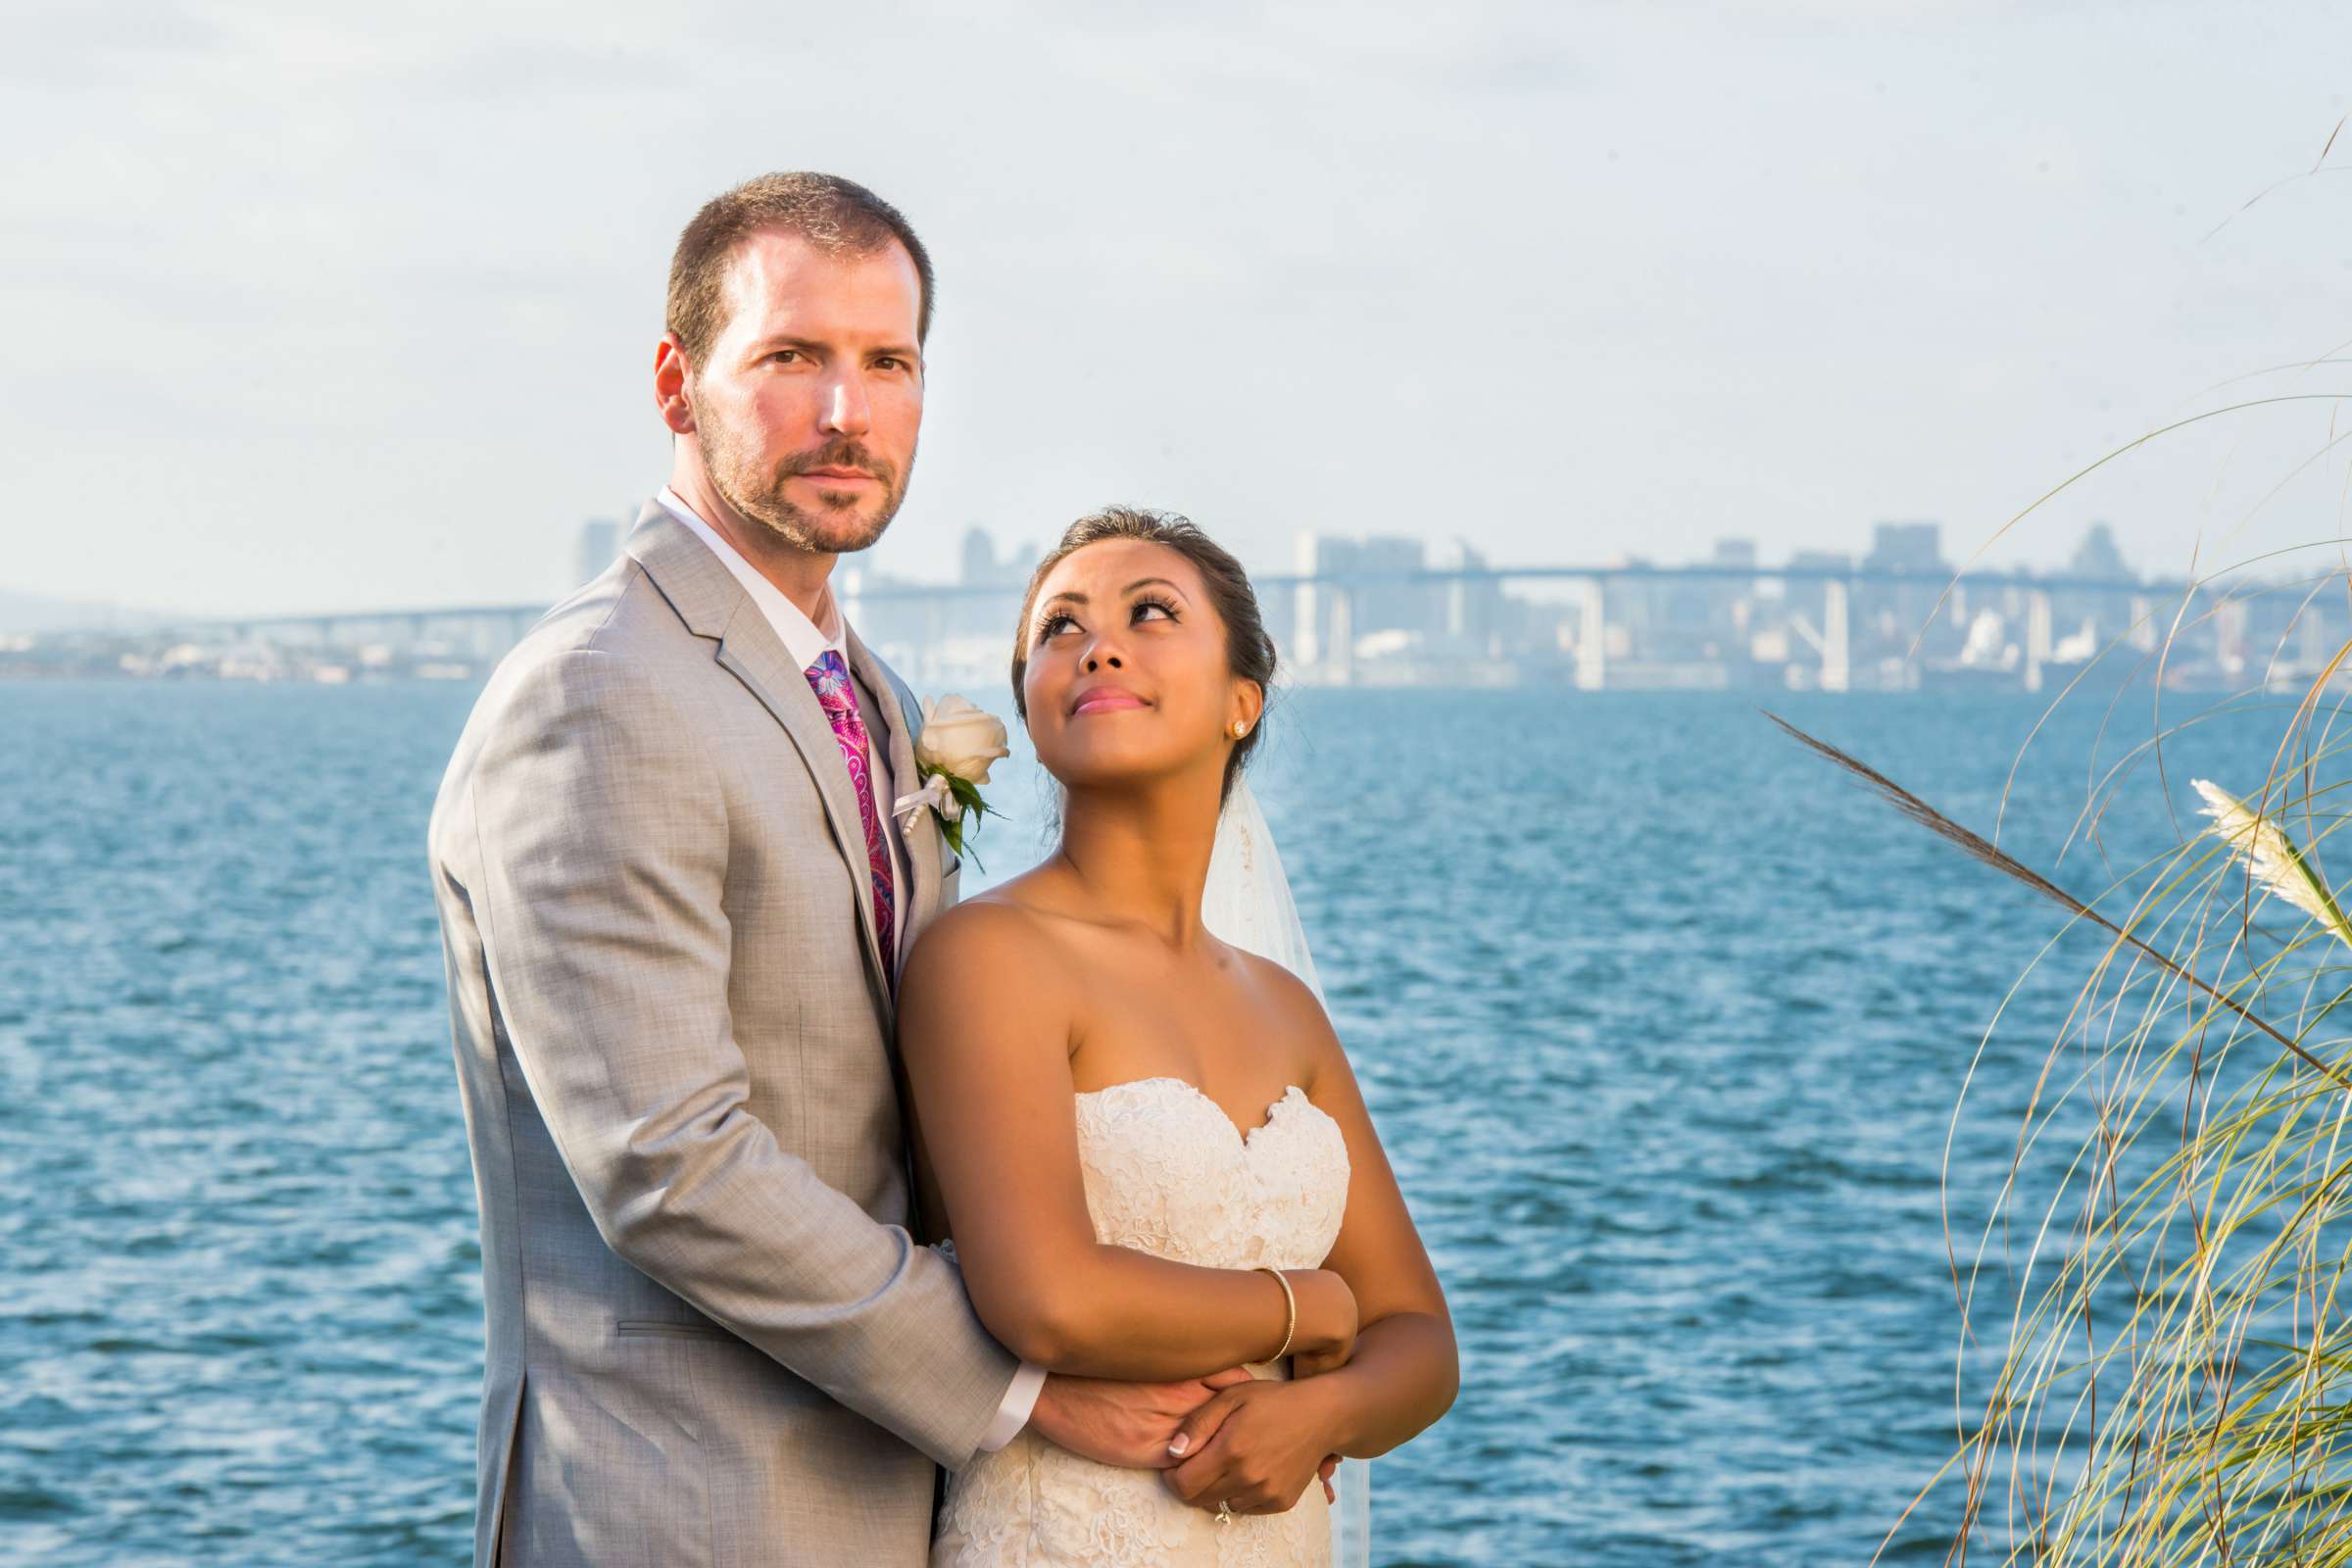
[1291,1297]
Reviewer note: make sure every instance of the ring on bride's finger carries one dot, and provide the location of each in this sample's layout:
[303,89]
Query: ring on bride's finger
[1224,1511]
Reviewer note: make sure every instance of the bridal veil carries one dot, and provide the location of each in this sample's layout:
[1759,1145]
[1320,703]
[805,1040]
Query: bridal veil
[1248,902]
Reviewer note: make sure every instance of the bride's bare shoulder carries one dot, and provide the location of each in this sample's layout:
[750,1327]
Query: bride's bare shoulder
[985,1004]
[1295,1014]
[998,939]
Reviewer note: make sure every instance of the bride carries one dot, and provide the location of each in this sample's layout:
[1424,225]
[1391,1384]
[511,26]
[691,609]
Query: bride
[1145,1144]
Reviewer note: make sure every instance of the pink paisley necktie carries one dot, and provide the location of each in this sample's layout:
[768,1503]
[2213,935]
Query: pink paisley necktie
[829,678]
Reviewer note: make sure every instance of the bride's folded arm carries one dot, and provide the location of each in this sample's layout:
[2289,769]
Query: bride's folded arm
[1259,1443]
[985,1028]
[1404,1371]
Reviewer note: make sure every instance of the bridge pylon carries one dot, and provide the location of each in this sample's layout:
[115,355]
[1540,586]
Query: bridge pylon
[1591,635]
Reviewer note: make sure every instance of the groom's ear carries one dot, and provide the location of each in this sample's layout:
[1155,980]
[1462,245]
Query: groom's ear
[672,375]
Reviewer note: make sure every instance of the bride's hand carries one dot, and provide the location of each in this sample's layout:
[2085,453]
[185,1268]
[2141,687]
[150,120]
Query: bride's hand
[1325,1336]
[1256,1448]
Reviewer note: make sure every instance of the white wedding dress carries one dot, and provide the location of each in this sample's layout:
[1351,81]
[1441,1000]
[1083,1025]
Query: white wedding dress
[1167,1172]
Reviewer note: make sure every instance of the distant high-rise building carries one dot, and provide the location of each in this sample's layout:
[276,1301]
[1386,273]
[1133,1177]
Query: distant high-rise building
[2097,556]
[1905,547]
[979,565]
[1470,610]
[1728,598]
[599,543]
[1890,618]
[979,558]
[1327,619]
[983,568]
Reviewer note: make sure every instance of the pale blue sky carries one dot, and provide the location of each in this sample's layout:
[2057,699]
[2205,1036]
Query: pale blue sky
[323,307]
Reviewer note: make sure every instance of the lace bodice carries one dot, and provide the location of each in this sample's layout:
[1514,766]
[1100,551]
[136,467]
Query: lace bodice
[1167,1172]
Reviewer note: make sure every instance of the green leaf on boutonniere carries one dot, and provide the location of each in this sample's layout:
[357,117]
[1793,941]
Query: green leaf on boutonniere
[967,795]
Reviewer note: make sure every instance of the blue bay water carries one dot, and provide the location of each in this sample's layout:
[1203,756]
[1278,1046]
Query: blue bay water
[1662,1019]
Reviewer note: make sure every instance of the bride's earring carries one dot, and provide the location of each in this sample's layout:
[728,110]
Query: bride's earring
[1241,727]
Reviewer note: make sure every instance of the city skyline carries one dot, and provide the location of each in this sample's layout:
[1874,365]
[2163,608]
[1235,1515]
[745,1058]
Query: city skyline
[1398,611]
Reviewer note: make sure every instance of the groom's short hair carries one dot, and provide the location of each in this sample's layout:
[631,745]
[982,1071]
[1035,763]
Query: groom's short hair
[837,215]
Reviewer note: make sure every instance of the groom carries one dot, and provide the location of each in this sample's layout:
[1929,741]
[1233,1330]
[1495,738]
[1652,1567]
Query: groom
[673,905]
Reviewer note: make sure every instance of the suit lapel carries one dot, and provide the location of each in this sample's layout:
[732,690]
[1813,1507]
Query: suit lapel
[714,604]
[919,844]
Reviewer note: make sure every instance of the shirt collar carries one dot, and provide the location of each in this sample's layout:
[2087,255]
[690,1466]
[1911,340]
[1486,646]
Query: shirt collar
[801,637]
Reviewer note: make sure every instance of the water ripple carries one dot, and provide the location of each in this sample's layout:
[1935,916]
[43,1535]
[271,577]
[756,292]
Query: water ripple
[1662,1022]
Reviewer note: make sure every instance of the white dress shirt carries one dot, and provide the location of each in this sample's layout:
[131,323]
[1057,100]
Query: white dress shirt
[807,643]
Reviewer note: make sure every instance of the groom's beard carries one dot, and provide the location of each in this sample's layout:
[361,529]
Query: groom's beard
[826,530]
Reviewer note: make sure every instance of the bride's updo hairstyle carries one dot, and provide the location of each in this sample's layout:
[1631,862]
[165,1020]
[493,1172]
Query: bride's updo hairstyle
[1248,651]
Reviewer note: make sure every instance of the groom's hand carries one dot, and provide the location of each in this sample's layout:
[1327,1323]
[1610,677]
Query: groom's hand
[1126,1424]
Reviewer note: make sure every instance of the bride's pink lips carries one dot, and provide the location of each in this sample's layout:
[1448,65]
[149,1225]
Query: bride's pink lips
[1103,699]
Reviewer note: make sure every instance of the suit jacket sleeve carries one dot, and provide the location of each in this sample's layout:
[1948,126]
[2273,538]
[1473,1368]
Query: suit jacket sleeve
[603,855]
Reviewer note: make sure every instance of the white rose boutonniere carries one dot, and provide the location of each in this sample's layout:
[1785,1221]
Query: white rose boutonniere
[953,754]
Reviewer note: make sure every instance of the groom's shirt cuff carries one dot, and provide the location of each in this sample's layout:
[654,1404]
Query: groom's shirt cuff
[1013,1415]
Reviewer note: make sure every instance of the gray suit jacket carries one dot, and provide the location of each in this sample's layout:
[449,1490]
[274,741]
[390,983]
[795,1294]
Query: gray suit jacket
[711,1337]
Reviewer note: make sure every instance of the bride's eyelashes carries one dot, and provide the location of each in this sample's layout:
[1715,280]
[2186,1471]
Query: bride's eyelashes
[1051,620]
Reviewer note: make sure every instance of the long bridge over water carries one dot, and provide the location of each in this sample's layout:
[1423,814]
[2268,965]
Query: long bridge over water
[1331,596]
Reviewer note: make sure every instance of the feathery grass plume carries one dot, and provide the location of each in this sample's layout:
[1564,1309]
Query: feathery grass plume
[2272,857]
[2002,860]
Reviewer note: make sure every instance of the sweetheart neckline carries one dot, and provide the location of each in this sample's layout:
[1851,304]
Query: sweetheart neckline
[1204,1097]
